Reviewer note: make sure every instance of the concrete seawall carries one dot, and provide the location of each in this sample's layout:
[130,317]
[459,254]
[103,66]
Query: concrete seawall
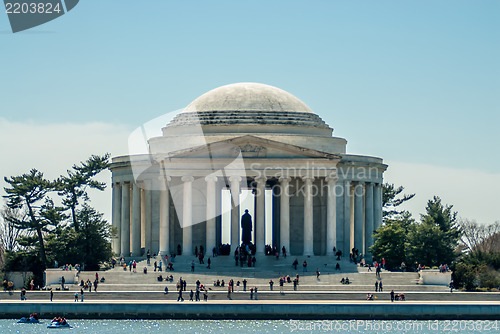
[270,310]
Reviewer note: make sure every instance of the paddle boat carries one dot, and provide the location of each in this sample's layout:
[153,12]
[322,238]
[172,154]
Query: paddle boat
[32,319]
[29,320]
[58,324]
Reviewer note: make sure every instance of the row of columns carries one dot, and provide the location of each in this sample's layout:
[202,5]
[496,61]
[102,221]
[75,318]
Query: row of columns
[362,210]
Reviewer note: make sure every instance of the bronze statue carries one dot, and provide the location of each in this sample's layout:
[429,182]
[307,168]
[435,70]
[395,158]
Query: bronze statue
[246,225]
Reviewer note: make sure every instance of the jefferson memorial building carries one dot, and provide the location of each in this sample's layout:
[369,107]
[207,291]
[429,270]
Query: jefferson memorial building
[246,143]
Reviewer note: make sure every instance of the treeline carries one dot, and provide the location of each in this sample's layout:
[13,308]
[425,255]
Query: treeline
[37,232]
[472,251]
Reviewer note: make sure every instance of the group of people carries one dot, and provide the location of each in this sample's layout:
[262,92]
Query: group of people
[167,278]
[76,295]
[88,284]
[69,267]
[397,296]
[8,286]
[268,250]
[283,280]
[59,320]
[181,286]
[345,280]
[443,268]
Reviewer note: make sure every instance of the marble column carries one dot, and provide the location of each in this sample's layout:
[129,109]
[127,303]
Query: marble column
[148,202]
[285,213]
[377,206]
[117,207]
[211,212]
[235,212]
[164,217]
[125,220]
[368,221]
[331,216]
[143,218]
[136,220]
[218,220]
[308,217]
[347,218]
[260,219]
[187,216]
[358,216]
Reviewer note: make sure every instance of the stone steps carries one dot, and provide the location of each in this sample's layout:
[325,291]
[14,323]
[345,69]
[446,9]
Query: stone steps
[262,295]
[289,287]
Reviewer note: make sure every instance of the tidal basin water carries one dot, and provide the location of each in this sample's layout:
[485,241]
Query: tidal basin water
[256,326]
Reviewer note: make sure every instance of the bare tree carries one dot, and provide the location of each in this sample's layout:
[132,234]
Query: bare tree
[479,237]
[8,232]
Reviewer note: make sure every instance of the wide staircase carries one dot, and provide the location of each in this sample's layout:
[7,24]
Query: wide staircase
[128,286]
[266,268]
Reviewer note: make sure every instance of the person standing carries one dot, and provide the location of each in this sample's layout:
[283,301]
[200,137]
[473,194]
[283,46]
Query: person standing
[191,294]
[148,256]
[156,265]
[197,295]
[23,294]
[63,280]
[51,294]
[251,293]
[229,291]
[271,283]
[317,273]
[192,266]
[376,286]
[392,295]
[255,293]
[76,296]
[205,295]
[179,296]
[208,262]
[81,294]
[245,285]
[281,284]
[380,287]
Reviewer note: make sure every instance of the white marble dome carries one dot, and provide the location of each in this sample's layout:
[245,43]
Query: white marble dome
[250,108]
[247,96]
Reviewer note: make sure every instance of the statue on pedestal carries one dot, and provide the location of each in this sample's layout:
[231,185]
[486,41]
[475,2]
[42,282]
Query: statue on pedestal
[246,225]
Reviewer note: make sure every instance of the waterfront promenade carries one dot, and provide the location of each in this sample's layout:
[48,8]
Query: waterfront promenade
[126,294]
[260,309]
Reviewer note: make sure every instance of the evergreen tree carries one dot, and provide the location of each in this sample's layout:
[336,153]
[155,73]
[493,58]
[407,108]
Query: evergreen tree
[73,187]
[89,246]
[29,192]
[434,241]
[391,201]
[391,241]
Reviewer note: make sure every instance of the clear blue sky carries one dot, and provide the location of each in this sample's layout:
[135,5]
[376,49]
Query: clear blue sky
[417,82]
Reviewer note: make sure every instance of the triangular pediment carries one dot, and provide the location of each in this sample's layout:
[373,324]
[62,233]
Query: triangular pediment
[250,147]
